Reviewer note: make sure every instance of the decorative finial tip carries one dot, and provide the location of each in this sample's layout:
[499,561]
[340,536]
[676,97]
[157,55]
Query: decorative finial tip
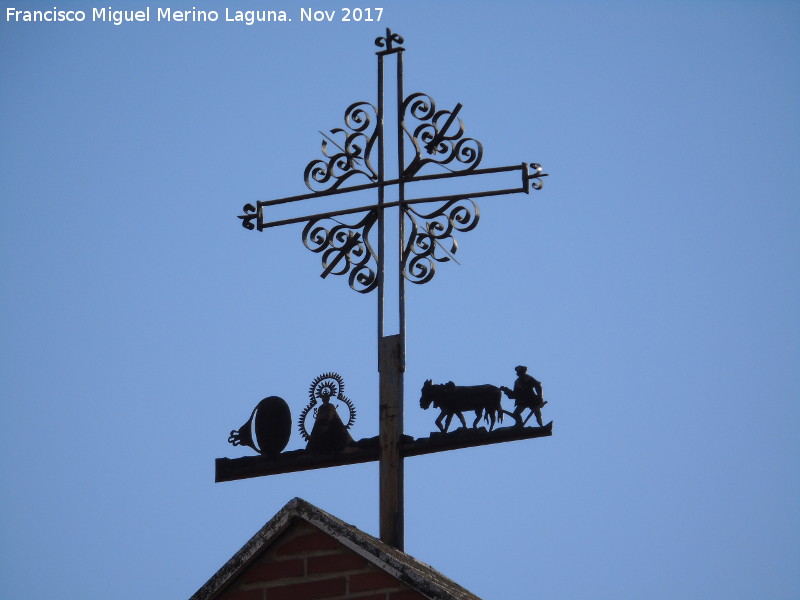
[387,41]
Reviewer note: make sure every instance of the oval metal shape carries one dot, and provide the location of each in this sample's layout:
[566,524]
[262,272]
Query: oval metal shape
[273,425]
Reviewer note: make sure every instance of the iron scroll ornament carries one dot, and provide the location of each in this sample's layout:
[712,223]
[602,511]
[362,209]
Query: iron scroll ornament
[437,139]
[345,248]
[432,145]
[354,145]
[388,42]
[534,175]
[426,243]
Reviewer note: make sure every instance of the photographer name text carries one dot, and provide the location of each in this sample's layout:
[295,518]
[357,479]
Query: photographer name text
[193,15]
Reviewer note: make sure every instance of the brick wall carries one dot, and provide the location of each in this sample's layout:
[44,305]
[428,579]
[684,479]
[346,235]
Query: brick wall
[306,564]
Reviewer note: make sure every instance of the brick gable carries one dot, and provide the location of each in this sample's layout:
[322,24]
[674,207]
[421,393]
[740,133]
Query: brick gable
[304,553]
[305,564]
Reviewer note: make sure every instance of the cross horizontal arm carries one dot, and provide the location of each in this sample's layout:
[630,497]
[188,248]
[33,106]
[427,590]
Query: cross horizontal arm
[530,172]
[232,469]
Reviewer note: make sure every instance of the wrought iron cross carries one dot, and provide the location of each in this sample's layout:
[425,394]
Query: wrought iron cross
[431,145]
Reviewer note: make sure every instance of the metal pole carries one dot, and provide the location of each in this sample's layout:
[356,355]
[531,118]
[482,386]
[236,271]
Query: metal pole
[402,225]
[381,200]
[391,366]
[391,463]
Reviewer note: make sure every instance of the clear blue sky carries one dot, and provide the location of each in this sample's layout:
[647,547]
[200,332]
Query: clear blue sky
[652,286]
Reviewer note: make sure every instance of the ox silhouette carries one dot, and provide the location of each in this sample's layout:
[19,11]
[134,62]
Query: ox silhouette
[454,399]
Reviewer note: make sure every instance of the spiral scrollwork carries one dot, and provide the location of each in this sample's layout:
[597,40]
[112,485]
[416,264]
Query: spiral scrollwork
[433,241]
[535,175]
[345,248]
[388,40]
[250,213]
[438,137]
[347,151]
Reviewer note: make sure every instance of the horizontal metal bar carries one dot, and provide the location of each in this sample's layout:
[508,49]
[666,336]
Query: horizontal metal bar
[519,167]
[463,196]
[232,469]
[325,215]
[470,438]
[368,207]
[369,186]
[355,188]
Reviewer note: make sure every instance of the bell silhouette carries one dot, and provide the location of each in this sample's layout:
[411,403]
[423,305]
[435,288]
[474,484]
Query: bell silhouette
[268,429]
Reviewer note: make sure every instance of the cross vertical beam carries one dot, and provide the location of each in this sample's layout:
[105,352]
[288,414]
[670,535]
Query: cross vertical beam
[391,348]
[391,432]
